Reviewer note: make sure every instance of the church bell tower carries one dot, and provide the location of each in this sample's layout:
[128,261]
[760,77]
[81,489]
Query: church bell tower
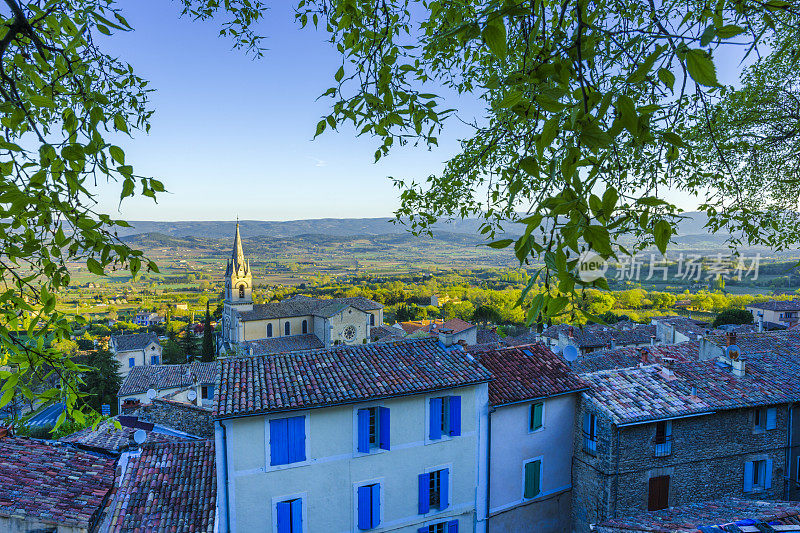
[238,289]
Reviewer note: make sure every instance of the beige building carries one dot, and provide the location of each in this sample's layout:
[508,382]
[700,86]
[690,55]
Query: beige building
[294,324]
[783,312]
[139,349]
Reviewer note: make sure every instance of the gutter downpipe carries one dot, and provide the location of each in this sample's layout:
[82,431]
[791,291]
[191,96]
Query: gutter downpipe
[489,466]
[616,478]
[788,477]
[221,452]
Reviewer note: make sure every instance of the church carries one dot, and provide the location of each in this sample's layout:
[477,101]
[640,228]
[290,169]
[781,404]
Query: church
[294,324]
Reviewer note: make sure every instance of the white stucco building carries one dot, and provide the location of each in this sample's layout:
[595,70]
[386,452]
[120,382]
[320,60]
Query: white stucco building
[375,437]
[532,409]
[138,349]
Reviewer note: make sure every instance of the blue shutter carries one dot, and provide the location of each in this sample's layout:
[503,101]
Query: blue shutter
[364,507]
[423,529]
[768,474]
[376,504]
[444,489]
[278,442]
[384,429]
[452,526]
[131,362]
[455,416]
[297,516]
[587,421]
[363,430]
[284,517]
[424,494]
[297,439]
[748,476]
[772,417]
[436,418]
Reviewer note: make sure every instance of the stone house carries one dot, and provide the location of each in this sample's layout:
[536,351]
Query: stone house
[194,379]
[138,349]
[785,312]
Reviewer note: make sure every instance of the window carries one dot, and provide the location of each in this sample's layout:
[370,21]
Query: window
[757,475]
[269,330]
[765,418]
[371,319]
[369,506]
[287,329]
[207,392]
[241,291]
[290,516]
[434,488]
[658,493]
[441,527]
[590,433]
[663,440]
[153,359]
[131,362]
[445,416]
[305,327]
[373,429]
[287,440]
[537,414]
[533,477]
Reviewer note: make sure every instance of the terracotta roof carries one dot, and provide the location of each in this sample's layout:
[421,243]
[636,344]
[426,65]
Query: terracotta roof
[455,324]
[649,393]
[136,341]
[52,482]
[247,385]
[300,305]
[527,372]
[694,329]
[777,305]
[170,487]
[291,343]
[595,335]
[690,517]
[783,342]
[109,439]
[631,356]
[385,333]
[487,336]
[142,378]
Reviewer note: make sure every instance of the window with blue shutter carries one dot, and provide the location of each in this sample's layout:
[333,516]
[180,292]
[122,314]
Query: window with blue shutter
[131,362]
[440,527]
[455,416]
[772,418]
[153,359]
[424,494]
[436,418]
[452,526]
[287,440]
[434,490]
[533,475]
[290,516]
[444,489]
[445,417]
[373,428]
[537,412]
[369,506]
[748,476]
[384,439]
[363,430]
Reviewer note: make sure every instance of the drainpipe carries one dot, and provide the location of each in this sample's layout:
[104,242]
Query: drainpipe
[221,452]
[489,467]
[616,478]
[788,477]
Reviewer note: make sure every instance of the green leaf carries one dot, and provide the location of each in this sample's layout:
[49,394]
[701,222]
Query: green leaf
[627,114]
[666,77]
[120,124]
[662,232]
[729,30]
[117,154]
[708,35]
[339,74]
[529,165]
[503,243]
[644,67]
[701,68]
[320,127]
[494,33]
[549,133]
[95,267]
[41,101]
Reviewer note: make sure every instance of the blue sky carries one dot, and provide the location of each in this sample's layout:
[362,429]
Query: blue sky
[232,136]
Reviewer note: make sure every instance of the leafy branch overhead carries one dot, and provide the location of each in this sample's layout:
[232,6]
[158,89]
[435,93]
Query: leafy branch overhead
[592,112]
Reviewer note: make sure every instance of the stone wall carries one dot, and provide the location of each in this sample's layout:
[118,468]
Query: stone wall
[181,416]
[707,462]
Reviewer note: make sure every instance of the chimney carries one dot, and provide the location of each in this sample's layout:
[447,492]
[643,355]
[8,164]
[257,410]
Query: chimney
[5,431]
[652,340]
[571,332]
[694,390]
[730,338]
[462,343]
[613,343]
[761,322]
[737,367]
[446,337]
[643,356]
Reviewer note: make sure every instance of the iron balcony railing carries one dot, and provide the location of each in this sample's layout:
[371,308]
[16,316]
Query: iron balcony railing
[590,443]
[663,445]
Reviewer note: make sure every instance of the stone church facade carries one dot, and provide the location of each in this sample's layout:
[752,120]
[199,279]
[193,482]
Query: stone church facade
[294,324]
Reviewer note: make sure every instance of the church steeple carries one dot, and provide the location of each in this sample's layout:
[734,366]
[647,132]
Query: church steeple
[237,264]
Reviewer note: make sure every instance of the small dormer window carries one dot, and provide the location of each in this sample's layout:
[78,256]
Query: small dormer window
[241,291]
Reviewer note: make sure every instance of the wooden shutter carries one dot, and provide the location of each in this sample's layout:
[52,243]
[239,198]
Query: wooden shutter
[297,516]
[363,430]
[533,472]
[748,476]
[424,494]
[278,442]
[364,507]
[768,474]
[452,526]
[375,495]
[384,437]
[658,495]
[455,416]
[436,419]
[772,418]
[444,489]
[297,439]
[536,415]
[284,512]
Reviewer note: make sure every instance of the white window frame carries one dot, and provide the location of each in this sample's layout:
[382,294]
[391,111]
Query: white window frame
[372,450]
[379,481]
[448,467]
[541,478]
[530,417]
[287,414]
[302,496]
[445,434]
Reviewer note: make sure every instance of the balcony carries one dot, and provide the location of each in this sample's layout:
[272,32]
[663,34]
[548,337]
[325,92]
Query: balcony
[590,443]
[663,446]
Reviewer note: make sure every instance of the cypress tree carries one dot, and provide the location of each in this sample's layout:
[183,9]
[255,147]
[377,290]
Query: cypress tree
[208,339]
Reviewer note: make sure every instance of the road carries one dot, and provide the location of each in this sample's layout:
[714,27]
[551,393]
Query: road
[47,417]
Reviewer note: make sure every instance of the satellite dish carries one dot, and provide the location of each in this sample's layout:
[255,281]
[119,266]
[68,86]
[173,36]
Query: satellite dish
[733,352]
[139,436]
[192,395]
[570,352]
[151,393]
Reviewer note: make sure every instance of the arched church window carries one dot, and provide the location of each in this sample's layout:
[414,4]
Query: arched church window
[241,291]
[286,329]
[269,330]
[371,319]
[305,327]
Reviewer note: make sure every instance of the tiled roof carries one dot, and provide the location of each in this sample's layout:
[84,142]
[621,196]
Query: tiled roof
[107,438]
[385,333]
[528,337]
[553,331]
[141,378]
[247,385]
[782,342]
[630,356]
[53,483]
[527,372]
[648,393]
[136,341]
[693,329]
[307,306]
[486,336]
[777,305]
[291,343]
[170,487]
[455,324]
[690,517]
[595,335]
